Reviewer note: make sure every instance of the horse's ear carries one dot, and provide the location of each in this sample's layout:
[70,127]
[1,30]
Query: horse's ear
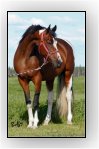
[54,28]
[48,29]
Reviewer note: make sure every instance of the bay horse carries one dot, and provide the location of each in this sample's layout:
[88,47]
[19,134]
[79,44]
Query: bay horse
[41,56]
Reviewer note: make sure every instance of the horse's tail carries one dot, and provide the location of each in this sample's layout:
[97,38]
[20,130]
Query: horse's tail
[61,102]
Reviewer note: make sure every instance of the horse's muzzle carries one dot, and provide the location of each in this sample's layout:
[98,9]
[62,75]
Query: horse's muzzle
[59,63]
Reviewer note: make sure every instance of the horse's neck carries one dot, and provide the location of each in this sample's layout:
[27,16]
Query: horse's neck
[23,45]
[29,49]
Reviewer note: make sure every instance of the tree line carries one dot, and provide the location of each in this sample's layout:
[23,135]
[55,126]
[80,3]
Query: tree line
[78,71]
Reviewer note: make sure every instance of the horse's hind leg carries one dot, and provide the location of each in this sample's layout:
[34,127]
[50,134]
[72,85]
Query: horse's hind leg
[25,85]
[68,80]
[49,85]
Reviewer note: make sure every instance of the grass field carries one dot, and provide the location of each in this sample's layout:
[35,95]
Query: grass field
[17,112]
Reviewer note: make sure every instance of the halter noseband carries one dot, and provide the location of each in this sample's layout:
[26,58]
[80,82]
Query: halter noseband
[45,47]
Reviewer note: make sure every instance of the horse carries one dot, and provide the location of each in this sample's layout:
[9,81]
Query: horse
[41,56]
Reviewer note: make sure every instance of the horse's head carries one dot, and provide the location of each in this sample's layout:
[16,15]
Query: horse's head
[48,46]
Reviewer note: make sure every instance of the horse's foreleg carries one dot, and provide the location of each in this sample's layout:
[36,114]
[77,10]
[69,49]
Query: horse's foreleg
[37,82]
[69,98]
[25,85]
[36,106]
[49,85]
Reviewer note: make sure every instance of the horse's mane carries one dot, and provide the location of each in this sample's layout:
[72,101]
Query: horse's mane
[32,29]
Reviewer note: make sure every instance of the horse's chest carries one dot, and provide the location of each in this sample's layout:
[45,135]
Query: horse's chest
[48,72]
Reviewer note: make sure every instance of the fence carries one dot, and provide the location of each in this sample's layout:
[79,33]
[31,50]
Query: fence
[78,71]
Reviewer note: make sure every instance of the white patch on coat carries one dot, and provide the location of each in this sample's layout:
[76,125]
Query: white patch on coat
[49,110]
[30,115]
[36,120]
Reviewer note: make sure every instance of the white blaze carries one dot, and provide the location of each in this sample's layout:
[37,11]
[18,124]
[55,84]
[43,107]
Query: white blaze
[55,46]
[41,31]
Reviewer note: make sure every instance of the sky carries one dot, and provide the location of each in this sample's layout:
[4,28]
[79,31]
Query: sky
[70,27]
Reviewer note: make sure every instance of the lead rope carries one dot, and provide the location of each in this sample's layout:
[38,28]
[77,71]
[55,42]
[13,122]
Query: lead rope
[39,68]
[36,69]
[45,59]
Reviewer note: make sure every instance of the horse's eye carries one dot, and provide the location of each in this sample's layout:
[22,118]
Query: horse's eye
[49,41]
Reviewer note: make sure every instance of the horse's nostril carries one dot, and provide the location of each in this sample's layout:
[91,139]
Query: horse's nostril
[59,63]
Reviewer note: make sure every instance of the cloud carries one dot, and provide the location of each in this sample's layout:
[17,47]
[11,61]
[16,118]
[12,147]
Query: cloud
[72,37]
[37,21]
[23,27]
[65,19]
[12,46]
[81,30]
[15,19]
[21,23]
[70,28]
[33,21]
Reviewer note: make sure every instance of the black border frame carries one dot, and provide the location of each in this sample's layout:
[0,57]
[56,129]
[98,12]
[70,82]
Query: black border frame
[85,75]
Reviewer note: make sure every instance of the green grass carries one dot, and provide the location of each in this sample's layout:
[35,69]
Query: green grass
[17,112]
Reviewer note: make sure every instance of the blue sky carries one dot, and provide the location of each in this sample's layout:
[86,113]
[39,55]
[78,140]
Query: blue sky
[70,27]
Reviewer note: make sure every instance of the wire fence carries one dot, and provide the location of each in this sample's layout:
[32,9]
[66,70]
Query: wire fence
[78,71]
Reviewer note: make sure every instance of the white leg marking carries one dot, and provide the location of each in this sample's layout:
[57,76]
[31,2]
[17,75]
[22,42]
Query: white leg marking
[69,100]
[30,115]
[49,110]
[55,46]
[36,120]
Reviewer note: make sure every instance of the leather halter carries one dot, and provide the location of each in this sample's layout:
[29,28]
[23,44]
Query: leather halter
[45,47]
[42,43]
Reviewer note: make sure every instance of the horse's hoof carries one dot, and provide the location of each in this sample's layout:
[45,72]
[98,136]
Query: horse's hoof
[69,122]
[35,127]
[45,123]
[30,126]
